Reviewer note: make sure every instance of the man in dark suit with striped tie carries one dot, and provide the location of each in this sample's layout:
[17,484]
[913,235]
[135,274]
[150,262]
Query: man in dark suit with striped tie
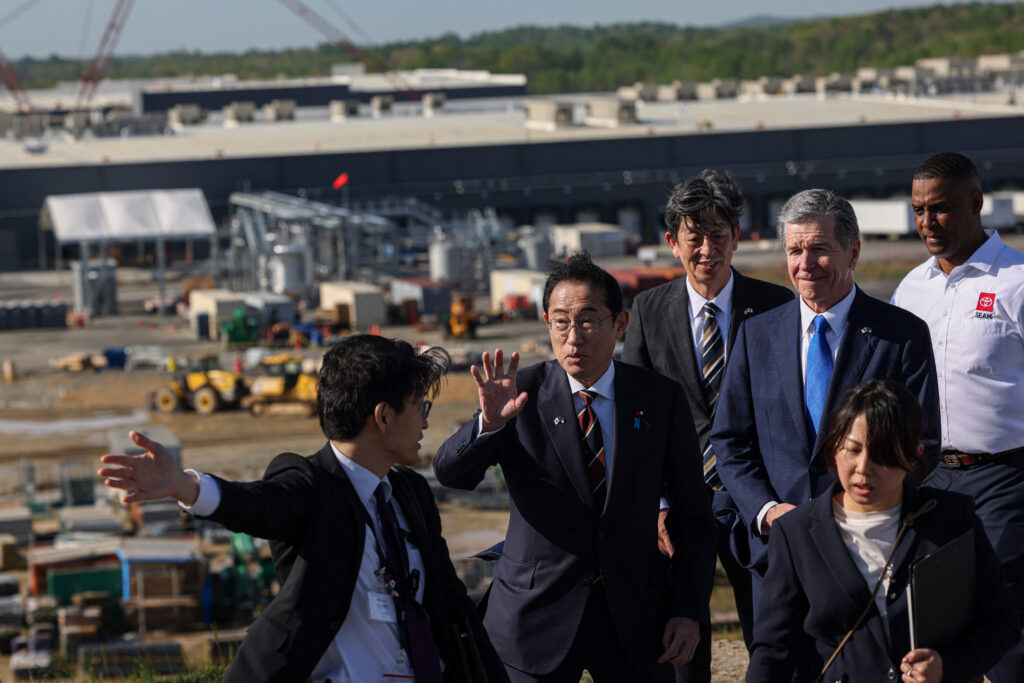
[587,447]
[685,329]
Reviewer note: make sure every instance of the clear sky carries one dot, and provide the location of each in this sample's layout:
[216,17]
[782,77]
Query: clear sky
[68,28]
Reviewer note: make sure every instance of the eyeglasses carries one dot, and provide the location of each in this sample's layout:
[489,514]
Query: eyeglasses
[425,410]
[583,325]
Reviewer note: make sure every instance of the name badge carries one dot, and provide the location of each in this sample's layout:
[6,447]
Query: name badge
[381,607]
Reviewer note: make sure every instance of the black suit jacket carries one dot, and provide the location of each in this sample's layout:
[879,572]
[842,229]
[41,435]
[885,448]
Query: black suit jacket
[557,540]
[761,436]
[309,510]
[813,587]
[660,336]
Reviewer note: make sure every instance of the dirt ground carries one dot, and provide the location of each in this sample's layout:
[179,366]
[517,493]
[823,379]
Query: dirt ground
[49,417]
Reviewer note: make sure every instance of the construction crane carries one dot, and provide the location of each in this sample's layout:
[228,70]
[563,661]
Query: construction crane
[94,74]
[7,74]
[14,85]
[307,14]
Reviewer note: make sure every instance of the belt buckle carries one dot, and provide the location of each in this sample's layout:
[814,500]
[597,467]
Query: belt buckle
[951,460]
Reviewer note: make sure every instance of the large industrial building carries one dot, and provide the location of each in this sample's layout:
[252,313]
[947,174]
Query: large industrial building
[610,157]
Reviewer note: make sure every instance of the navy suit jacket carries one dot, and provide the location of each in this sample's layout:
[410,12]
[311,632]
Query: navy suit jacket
[813,587]
[557,540]
[761,434]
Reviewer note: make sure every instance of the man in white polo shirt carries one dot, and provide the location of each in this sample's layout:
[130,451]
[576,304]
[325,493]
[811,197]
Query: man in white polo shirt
[971,294]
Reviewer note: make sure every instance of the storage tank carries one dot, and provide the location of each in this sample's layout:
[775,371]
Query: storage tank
[287,269]
[445,260]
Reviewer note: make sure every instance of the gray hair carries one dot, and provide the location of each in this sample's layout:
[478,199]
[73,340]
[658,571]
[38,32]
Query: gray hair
[815,204]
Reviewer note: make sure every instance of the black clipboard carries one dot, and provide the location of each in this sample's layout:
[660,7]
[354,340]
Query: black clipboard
[941,594]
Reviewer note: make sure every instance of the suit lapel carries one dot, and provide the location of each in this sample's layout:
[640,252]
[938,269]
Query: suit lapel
[825,534]
[680,339]
[852,587]
[855,349]
[782,335]
[628,403]
[744,305]
[558,415]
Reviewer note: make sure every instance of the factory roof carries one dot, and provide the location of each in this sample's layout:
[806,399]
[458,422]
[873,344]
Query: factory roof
[495,121]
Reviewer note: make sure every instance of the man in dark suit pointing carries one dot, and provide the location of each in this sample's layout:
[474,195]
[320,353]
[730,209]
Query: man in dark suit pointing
[368,592]
[587,447]
[685,330]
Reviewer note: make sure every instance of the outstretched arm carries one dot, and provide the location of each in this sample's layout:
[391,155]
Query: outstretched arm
[154,474]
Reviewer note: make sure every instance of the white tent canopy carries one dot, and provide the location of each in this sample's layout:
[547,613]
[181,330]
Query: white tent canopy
[129,216]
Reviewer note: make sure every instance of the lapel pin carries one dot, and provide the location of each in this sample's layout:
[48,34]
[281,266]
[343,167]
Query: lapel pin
[865,330]
[748,311]
[559,420]
[636,419]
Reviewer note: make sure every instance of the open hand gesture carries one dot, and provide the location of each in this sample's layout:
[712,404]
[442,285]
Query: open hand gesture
[499,401]
[154,474]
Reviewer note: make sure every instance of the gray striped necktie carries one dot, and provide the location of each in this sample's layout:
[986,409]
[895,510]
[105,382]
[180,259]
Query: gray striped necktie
[712,369]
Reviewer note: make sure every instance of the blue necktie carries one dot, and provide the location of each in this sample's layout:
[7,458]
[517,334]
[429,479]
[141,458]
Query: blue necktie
[819,371]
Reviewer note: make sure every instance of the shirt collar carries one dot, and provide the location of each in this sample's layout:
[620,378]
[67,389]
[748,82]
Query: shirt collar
[983,258]
[835,316]
[723,300]
[604,386]
[363,480]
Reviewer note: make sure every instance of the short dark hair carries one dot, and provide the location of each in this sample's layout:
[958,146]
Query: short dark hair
[894,419]
[818,203]
[947,166]
[579,268]
[707,190]
[363,370]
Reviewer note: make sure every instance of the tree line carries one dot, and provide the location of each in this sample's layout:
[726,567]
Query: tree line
[600,58]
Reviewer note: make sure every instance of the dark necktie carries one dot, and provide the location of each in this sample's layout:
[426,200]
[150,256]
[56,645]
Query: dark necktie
[712,369]
[593,448]
[426,660]
[819,372]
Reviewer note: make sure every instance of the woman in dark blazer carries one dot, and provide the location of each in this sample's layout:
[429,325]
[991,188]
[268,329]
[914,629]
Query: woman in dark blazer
[825,557]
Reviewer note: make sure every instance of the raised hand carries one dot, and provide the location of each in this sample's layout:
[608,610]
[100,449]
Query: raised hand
[154,474]
[496,387]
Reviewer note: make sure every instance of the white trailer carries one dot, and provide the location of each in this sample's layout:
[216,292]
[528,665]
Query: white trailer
[997,213]
[892,218]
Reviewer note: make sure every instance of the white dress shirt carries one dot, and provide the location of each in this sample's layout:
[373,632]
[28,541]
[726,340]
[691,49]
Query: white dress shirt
[836,319]
[723,317]
[364,649]
[976,319]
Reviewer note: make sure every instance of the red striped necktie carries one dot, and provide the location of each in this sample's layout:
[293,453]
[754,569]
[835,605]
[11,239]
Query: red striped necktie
[593,448]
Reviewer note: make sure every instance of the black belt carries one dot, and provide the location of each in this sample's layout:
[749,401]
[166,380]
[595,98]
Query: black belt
[955,458]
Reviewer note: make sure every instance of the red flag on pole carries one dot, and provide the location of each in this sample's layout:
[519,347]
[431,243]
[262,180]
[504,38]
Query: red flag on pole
[340,181]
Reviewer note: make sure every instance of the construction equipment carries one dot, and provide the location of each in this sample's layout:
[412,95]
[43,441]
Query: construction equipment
[463,320]
[282,387]
[241,332]
[204,387]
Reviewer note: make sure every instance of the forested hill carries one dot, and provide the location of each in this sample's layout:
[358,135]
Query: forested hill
[569,58]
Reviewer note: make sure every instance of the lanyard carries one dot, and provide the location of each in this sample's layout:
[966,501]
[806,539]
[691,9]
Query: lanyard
[391,577]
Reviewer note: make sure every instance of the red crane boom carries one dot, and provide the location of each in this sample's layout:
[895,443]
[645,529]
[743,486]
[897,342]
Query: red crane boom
[92,77]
